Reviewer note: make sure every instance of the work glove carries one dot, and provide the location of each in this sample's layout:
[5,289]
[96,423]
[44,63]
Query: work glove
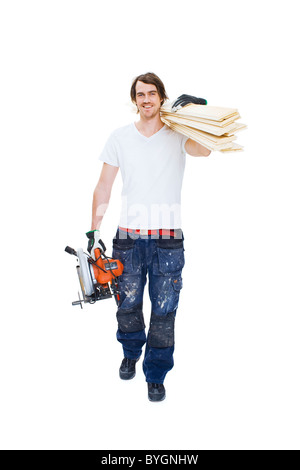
[183,100]
[94,242]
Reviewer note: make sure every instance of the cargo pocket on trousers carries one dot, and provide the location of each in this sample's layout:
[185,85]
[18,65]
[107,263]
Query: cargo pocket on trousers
[170,261]
[177,284]
[174,297]
[126,252]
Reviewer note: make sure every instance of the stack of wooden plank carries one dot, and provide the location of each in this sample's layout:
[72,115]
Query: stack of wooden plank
[212,126]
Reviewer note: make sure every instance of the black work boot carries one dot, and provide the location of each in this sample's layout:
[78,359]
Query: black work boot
[156,392]
[127,368]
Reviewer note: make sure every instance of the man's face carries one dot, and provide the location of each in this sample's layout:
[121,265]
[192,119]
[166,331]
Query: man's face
[147,99]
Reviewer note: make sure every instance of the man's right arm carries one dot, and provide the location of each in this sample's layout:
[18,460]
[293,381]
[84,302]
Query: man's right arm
[102,194]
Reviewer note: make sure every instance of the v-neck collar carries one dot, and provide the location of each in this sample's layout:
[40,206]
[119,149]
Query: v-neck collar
[151,136]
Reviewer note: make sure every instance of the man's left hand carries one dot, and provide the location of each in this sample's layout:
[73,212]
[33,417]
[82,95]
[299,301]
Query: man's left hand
[183,100]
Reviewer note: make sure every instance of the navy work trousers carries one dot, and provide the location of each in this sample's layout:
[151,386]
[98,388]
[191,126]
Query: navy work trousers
[161,258]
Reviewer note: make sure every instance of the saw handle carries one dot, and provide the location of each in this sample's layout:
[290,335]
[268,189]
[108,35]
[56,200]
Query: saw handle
[71,251]
[102,245]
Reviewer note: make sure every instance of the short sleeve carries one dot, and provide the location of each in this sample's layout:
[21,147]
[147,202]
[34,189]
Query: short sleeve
[110,152]
[184,138]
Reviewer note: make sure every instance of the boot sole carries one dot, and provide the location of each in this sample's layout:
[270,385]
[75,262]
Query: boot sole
[156,399]
[126,376]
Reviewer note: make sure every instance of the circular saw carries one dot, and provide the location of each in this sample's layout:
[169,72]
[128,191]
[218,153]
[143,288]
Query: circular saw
[98,277]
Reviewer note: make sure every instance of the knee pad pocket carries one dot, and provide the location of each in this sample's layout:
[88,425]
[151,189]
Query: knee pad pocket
[161,331]
[130,321]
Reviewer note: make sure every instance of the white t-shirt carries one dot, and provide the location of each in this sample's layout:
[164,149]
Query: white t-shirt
[152,169]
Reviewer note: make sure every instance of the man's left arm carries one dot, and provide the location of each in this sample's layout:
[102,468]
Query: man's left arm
[195,149]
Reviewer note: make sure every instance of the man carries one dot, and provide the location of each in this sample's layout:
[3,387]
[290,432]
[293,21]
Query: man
[149,239]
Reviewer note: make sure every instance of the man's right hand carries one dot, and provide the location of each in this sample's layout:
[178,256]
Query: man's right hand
[93,243]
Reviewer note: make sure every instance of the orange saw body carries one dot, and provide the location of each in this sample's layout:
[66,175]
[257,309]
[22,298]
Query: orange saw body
[105,270]
[98,277]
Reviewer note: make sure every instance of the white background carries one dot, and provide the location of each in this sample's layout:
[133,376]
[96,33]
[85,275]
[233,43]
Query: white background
[67,68]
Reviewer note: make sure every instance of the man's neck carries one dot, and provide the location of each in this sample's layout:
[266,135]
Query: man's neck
[149,127]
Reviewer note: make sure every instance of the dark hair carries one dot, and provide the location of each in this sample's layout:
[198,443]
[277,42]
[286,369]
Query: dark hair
[151,79]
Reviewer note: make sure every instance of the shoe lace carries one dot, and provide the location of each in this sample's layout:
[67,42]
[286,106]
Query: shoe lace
[127,362]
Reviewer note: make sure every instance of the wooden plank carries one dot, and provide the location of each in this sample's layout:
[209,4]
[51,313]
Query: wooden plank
[215,130]
[213,138]
[234,148]
[212,126]
[215,113]
[240,127]
[220,124]
[196,135]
